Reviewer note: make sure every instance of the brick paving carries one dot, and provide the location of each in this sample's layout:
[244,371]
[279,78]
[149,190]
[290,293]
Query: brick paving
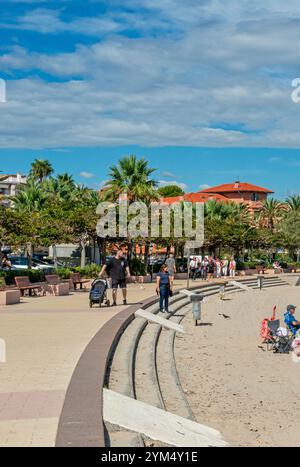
[45,337]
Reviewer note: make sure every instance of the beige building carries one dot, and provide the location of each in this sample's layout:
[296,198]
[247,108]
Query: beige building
[9,185]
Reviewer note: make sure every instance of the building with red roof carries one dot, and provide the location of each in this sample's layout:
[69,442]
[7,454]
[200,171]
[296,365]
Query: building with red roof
[241,192]
[238,192]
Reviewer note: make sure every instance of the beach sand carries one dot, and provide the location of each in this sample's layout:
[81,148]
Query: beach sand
[251,396]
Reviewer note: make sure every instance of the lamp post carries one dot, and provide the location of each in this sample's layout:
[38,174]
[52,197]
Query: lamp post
[196,300]
[188,269]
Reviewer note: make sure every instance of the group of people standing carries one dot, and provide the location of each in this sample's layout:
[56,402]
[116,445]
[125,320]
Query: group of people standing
[208,268]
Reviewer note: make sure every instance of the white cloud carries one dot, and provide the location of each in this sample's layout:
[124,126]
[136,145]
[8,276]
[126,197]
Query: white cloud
[170,175]
[87,175]
[220,78]
[204,187]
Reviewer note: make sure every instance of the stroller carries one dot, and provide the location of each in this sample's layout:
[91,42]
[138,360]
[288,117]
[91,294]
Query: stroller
[98,293]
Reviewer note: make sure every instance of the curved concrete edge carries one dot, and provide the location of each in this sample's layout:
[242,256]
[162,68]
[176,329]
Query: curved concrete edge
[80,423]
[81,420]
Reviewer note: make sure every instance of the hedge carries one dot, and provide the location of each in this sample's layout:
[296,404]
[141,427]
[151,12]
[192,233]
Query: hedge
[90,272]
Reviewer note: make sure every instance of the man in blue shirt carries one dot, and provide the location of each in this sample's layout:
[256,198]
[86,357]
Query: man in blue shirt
[292,324]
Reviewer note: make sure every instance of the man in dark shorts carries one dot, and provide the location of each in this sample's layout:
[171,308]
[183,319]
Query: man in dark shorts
[118,270]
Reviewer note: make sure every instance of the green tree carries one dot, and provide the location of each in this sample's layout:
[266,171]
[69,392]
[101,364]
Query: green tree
[290,233]
[40,170]
[293,203]
[170,191]
[271,213]
[82,219]
[133,177]
[30,198]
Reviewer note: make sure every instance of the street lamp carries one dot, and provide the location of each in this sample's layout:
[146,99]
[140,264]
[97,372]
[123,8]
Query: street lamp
[196,300]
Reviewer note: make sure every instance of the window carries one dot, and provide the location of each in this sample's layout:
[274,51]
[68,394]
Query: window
[255,197]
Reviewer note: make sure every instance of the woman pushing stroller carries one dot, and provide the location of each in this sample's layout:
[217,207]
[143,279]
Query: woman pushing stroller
[164,288]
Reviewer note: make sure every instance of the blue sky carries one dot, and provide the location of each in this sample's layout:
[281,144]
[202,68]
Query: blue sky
[191,168]
[202,88]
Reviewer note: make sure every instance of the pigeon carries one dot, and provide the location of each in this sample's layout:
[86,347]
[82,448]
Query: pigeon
[224,316]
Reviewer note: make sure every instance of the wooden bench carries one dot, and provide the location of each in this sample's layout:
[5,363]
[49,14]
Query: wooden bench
[23,284]
[260,269]
[77,280]
[57,286]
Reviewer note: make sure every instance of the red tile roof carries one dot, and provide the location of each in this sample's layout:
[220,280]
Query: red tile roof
[236,187]
[196,198]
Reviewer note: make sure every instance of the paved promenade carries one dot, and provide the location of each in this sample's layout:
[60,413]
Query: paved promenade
[45,337]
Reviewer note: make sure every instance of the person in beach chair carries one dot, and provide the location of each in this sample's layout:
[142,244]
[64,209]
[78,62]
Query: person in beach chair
[291,323]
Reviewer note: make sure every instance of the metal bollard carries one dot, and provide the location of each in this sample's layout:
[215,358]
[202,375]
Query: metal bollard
[260,282]
[222,291]
[196,307]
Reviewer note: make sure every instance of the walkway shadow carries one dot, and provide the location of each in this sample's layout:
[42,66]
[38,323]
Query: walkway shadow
[205,324]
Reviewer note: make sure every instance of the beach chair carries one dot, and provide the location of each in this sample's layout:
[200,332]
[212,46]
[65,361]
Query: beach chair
[277,341]
[272,329]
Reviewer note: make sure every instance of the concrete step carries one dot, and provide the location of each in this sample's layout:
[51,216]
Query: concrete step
[170,386]
[125,439]
[121,377]
[157,424]
[145,378]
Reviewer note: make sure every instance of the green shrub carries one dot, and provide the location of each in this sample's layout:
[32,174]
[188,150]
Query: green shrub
[2,283]
[34,276]
[138,268]
[90,272]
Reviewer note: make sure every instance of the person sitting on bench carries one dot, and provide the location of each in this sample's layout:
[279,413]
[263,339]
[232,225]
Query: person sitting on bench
[292,324]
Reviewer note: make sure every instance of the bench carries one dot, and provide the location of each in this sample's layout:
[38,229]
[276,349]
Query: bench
[77,280]
[57,286]
[23,284]
[260,269]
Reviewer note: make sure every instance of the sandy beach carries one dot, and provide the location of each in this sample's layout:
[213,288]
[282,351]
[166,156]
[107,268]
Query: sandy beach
[248,394]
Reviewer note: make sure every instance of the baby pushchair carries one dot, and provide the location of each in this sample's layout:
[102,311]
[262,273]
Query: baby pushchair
[98,293]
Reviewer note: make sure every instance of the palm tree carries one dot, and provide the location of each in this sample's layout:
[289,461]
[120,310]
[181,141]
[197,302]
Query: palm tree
[30,198]
[61,189]
[214,210]
[131,176]
[66,179]
[293,203]
[40,169]
[271,212]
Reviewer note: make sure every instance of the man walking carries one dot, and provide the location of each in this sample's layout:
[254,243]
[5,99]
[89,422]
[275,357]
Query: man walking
[171,265]
[119,271]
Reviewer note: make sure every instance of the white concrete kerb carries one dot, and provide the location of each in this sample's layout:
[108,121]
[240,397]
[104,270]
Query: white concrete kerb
[2,351]
[240,285]
[159,320]
[157,424]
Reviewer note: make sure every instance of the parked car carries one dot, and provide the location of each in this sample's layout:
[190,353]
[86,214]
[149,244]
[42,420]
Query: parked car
[20,263]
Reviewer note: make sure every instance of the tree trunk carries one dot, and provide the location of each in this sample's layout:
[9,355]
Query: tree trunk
[55,256]
[83,255]
[147,251]
[29,253]
[102,249]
